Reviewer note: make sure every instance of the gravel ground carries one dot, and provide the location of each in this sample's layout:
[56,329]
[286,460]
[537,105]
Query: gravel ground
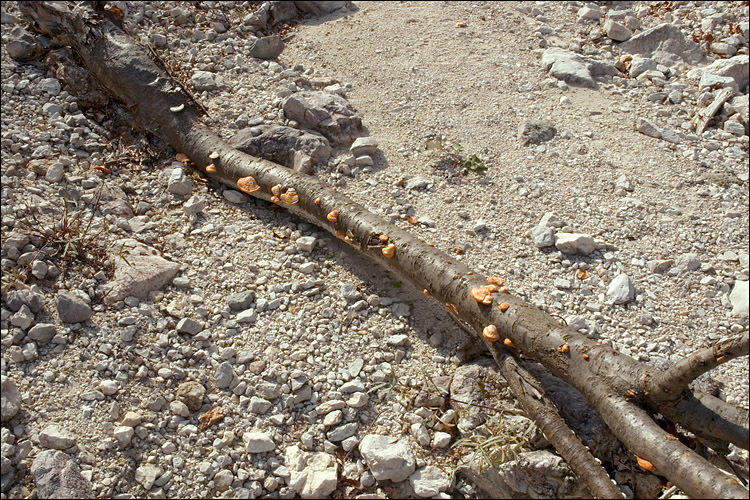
[327,349]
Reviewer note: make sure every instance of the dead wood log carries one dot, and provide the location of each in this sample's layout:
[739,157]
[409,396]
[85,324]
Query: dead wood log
[616,385]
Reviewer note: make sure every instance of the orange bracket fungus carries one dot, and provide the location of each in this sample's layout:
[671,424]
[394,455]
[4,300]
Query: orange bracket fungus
[383,238]
[275,199]
[503,306]
[317,201]
[451,308]
[563,348]
[213,155]
[509,343]
[333,216]
[491,333]
[389,250]
[182,158]
[276,190]
[211,169]
[495,280]
[290,197]
[482,295]
[426,292]
[645,464]
[247,185]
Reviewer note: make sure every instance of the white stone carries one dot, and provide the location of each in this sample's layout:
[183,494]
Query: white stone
[387,457]
[739,298]
[124,434]
[109,387]
[429,481]
[131,419]
[616,31]
[223,480]
[621,289]
[441,440]
[543,236]
[258,442]
[364,146]
[575,243]
[146,474]
[54,436]
[312,474]
[306,243]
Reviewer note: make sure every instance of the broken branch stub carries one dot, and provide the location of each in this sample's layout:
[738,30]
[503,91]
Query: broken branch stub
[603,375]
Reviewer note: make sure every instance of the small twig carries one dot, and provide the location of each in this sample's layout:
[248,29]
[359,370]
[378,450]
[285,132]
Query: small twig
[669,492]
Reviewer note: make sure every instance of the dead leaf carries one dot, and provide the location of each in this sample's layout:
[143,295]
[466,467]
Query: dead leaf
[279,234]
[461,24]
[182,158]
[412,220]
[210,418]
[582,274]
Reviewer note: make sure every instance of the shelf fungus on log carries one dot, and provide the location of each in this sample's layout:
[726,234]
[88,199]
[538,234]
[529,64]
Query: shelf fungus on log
[247,185]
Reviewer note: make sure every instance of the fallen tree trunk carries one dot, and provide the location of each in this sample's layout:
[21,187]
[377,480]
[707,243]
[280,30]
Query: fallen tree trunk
[625,392]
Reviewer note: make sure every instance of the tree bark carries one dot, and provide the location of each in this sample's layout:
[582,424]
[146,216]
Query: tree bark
[616,385]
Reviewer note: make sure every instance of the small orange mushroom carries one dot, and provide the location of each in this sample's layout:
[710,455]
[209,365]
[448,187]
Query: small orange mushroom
[383,238]
[645,464]
[451,308]
[213,155]
[491,333]
[563,348]
[482,295]
[339,233]
[495,280]
[491,288]
[276,190]
[333,216]
[503,306]
[275,199]
[503,289]
[389,250]
[426,292]
[247,185]
[586,357]
[509,343]
[211,169]
[348,238]
[290,197]
[317,201]
[103,169]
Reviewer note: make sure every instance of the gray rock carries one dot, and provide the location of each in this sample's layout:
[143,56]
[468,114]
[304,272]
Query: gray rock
[55,437]
[621,289]
[73,306]
[535,132]
[17,298]
[616,31]
[241,300]
[293,148]
[659,266]
[306,243]
[258,442]
[739,298]
[179,183]
[350,292]
[666,44]
[710,81]
[23,318]
[429,481]
[225,375]
[543,236]
[124,435]
[312,474]
[465,387]
[590,12]
[233,196]
[247,316]
[43,332]
[159,40]
[56,475]
[147,474]
[223,480]
[204,80]
[267,47]
[331,115]
[10,398]
[639,65]
[189,326]
[387,457]
[259,406]
[575,69]
[688,262]
[50,85]
[194,205]
[21,46]
[364,146]
[191,393]
[575,243]
[342,432]
[648,128]
[535,474]
[138,270]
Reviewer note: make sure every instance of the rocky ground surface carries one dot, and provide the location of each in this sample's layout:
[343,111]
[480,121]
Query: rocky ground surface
[164,336]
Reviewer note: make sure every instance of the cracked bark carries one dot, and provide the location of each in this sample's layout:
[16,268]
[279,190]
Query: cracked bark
[616,385]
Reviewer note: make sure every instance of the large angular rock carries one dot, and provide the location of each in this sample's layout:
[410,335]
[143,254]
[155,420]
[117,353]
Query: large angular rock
[267,47]
[138,271]
[258,442]
[312,475]
[293,148]
[739,298]
[56,475]
[330,114]
[22,46]
[735,68]
[56,437]
[429,481]
[73,306]
[10,398]
[387,457]
[204,80]
[465,387]
[666,44]
[575,69]
[621,290]
[575,243]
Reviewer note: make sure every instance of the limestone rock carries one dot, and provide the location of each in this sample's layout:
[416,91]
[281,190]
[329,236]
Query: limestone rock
[575,69]
[191,393]
[429,481]
[575,243]
[73,306]
[293,148]
[56,475]
[267,47]
[312,474]
[387,457]
[666,44]
[258,442]
[330,114]
[146,474]
[10,398]
[739,298]
[54,436]
[543,236]
[621,289]
[139,272]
